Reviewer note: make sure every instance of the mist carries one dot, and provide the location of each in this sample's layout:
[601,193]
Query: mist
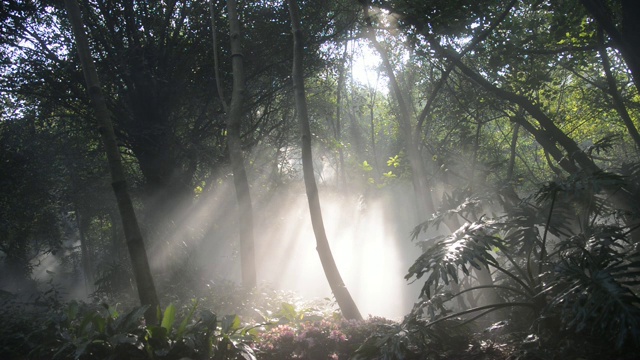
[368,234]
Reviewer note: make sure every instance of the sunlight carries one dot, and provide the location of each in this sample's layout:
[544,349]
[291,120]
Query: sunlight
[365,66]
[370,255]
[370,244]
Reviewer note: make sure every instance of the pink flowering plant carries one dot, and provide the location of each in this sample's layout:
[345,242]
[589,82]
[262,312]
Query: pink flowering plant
[313,337]
[305,340]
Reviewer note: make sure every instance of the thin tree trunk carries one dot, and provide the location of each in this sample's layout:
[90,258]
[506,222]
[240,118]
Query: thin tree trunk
[424,204]
[340,291]
[512,151]
[84,250]
[372,130]
[234,120]
[626,40]
[616,98]
[135,244]
[216,60]
[338,135]
[476,148]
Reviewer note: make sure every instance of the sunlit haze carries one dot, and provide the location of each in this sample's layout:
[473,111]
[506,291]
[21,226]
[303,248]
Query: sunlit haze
[369,241]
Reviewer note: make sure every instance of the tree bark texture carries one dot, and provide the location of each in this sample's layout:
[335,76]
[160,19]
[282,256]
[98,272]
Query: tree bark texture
[234,120]
[343,297]
[135,244]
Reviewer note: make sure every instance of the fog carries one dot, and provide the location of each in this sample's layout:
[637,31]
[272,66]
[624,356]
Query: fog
[369,234]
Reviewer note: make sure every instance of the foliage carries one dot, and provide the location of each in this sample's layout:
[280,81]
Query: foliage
[22,322]
[83,331]
[566,254]
[410,339]
[310,334]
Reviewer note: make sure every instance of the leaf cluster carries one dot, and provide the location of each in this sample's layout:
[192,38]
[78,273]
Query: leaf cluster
[81,331]
[566,254]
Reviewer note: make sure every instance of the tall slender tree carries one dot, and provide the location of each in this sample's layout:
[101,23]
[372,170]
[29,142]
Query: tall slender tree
[234,121]
[339,289]
[424,203]
[144,280]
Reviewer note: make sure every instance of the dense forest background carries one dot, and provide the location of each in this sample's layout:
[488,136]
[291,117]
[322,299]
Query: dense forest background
[462,174]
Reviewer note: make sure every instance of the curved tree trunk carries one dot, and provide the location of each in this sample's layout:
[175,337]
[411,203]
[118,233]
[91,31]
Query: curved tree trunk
[627,38]
[552,139]
[340,291]
[341,174]
[135,243]
[616,97]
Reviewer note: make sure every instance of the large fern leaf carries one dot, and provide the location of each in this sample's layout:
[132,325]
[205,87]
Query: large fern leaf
[598,293]
[470,246]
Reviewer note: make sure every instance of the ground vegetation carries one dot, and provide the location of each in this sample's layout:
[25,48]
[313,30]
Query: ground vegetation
[497,140]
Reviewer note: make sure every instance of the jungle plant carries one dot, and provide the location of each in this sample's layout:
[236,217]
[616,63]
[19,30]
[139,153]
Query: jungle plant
[314,333]
[565,256]
[83,331]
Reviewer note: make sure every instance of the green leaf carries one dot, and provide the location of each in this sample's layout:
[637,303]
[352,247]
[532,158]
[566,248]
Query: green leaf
[158,332]
[129,321]
[99,323]
[365,166]
[187,319]
[288,312]
[72,310]
[230,323]
[169,317]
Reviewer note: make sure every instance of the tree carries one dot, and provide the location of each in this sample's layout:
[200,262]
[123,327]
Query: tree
[235,114]
[540,123]
[135,243]
[30,200]
[425,205]
[620,20]
[339,289]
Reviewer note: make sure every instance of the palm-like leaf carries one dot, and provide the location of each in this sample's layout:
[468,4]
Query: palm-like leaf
[470,246]
[460,203]
[597,291]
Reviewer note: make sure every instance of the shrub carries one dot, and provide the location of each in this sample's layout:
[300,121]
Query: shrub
[566,256]
[313,335]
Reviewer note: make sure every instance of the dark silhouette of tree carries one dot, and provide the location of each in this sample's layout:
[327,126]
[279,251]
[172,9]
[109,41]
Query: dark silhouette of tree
[621,20]
[135,243]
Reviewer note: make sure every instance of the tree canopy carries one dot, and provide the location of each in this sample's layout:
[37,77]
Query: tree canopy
[512,125]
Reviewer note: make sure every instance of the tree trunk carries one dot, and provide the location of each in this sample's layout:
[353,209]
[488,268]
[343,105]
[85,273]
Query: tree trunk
[341,174]
[135,244]
[616,97]
[340,291]
[627,40]
[425,206]
[512,151]
[234,120]
[551,138]
[87,271]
